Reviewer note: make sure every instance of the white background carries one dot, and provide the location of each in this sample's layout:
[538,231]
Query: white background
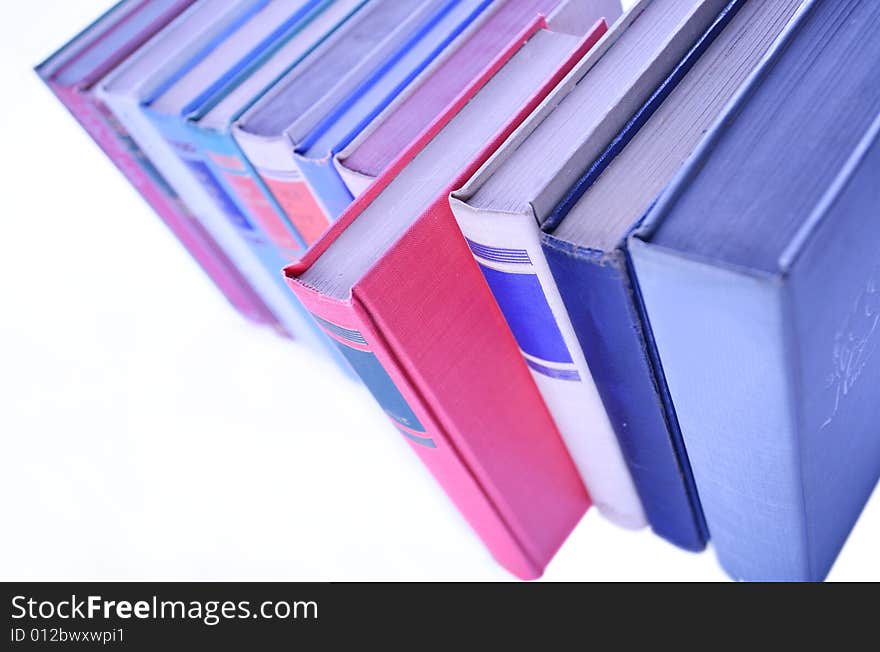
[148,432]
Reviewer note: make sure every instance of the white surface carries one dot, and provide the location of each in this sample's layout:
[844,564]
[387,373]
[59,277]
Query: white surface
[149,433]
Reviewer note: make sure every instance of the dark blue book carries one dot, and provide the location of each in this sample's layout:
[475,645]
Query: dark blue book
[760,271]
[584,239]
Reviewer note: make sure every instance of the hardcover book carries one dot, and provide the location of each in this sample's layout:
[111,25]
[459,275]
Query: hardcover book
[760,271]
[73,73]
[211,124]
[394,284]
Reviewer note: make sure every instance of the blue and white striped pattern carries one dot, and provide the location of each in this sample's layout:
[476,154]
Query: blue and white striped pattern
[499,255]
[553,372]
[348,334]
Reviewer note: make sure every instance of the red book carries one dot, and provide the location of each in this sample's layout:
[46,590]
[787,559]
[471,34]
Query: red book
[395,285]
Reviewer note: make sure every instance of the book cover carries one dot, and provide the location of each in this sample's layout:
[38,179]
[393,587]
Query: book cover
[763,299]
[457,388]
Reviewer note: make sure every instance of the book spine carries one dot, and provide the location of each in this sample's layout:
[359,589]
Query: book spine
[326,185]
[214,157]
[720,333]
[602,306]
[490,444]
[277,167]
[352,332]
[471,374]
[112,137]
[507,248]
[247,189]
[774,376]
[128,110]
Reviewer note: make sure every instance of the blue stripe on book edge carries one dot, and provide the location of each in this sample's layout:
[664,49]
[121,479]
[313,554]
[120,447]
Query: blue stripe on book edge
[498,254]
[552,372]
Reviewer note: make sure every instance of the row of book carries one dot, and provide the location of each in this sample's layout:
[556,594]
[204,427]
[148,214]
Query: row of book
[578,257]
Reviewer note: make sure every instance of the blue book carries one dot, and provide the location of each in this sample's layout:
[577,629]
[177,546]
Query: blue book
[292,146]
[584,241]
[211,122]
[760,271]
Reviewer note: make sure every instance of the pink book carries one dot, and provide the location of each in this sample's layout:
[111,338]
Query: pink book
[374,150]
[396,287]
[72,74]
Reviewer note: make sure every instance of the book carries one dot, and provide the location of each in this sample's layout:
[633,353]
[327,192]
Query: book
[212,73]
[73,74]
[759,270]
[452,73]
[584,239]
[394,284]
[211,123]
[594,372]
[291,135]
[172,51]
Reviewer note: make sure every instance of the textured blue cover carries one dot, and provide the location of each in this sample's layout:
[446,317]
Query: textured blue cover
[346,120]
[607,315]
[603,309]
[764,299]
[641,116]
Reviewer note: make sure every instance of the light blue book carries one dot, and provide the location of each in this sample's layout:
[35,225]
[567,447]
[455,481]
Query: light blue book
[210,123]
[759,269]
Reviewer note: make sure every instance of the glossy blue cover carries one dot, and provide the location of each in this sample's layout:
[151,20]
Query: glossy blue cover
[764,299]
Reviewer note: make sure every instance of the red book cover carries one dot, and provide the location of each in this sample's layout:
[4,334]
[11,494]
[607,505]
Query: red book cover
[421,328]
